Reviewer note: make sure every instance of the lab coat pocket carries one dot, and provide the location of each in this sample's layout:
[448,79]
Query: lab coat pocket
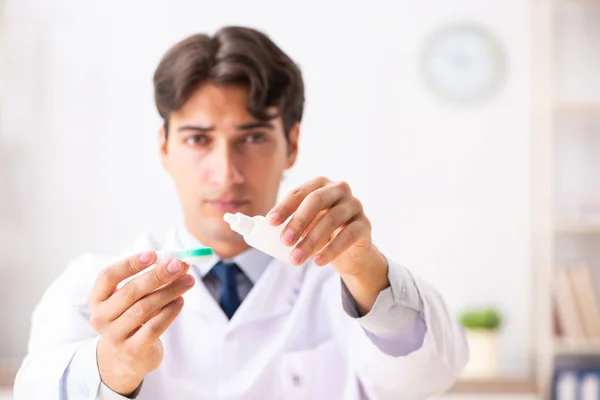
[311,373]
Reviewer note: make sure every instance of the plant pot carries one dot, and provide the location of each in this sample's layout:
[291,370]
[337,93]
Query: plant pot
[483,353]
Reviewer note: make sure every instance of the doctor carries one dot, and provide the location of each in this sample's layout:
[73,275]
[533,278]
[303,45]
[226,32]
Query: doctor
[339,321]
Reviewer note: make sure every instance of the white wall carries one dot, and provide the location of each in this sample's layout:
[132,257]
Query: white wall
[447,188]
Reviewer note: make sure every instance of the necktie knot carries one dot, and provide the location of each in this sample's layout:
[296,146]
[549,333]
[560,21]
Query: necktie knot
[226,273]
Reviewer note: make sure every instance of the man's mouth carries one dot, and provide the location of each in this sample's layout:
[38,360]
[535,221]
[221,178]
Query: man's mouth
[227,205]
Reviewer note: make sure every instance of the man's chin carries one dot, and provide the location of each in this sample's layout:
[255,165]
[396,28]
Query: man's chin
[218,229]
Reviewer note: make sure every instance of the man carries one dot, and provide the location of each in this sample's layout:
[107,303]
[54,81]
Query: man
[339,321]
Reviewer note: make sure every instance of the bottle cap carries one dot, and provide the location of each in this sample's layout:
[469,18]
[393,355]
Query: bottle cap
[239,222]
[229,218]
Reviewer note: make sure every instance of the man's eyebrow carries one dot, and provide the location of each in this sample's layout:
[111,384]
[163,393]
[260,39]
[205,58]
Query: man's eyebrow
[243,127]
[254,125]
[195,128]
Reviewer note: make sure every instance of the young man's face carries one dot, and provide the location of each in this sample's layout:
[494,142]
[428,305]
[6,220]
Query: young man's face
[224,160]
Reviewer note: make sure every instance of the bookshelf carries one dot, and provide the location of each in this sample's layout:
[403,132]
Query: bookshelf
[582,108]
[577,347]
[565,143]
[566,227]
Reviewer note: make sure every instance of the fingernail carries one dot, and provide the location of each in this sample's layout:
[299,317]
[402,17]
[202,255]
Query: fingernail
[288,237]
[274,217]
[188,281]
[174,266]
[296,255]
[319,260]
[145,257]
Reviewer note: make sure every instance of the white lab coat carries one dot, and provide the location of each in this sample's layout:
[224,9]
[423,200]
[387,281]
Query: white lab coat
[290,339]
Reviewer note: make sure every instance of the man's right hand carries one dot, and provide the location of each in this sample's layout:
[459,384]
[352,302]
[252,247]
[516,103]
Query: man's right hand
[130,320]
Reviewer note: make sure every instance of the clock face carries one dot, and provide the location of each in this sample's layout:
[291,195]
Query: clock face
[463,63]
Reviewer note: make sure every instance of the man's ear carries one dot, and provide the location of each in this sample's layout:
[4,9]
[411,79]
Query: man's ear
[293,138]
[162,147]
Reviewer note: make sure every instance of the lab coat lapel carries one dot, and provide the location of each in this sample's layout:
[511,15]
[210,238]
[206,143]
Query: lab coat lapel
[273,295]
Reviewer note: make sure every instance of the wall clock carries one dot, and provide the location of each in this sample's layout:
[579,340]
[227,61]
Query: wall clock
[463,63]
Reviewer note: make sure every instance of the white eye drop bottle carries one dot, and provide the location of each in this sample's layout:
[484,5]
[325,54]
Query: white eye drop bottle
[260,234]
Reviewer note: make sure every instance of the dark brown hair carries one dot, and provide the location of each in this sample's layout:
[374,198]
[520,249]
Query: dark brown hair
[233,55]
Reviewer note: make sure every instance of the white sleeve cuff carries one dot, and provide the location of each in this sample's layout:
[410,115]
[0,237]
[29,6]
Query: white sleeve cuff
[83,378]
[105,393]
[395,323]
[402,291]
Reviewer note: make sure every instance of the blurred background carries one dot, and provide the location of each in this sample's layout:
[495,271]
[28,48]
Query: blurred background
[469,129]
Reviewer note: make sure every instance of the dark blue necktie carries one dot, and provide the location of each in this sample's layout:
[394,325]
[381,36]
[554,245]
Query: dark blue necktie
[227,273]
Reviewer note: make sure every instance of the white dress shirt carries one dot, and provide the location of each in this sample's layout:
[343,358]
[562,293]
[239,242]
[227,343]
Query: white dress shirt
[297,334]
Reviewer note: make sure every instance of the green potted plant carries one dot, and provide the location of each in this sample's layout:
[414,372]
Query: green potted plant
[482,327]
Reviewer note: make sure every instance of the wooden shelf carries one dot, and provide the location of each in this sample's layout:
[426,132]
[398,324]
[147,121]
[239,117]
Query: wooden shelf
[503,386]
[578,227]
[548,112]
[577,347]
[578,108]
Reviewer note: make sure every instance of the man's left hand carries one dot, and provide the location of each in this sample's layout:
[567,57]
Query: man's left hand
[329,225]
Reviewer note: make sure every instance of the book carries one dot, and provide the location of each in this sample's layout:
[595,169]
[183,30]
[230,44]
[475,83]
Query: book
[576,384]
[569,320]
[582,285]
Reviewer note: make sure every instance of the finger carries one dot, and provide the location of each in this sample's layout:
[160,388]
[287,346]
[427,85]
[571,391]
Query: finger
[319,200]
[112,275]
[321,232]
[146,308]
[347,237]
[290,203]
[141,286]
[151,331]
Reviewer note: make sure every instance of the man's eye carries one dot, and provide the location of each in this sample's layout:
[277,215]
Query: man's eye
[256,138]
[197,140]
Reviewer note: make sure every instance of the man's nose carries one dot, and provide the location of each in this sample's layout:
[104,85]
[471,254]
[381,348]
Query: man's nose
[224,166]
